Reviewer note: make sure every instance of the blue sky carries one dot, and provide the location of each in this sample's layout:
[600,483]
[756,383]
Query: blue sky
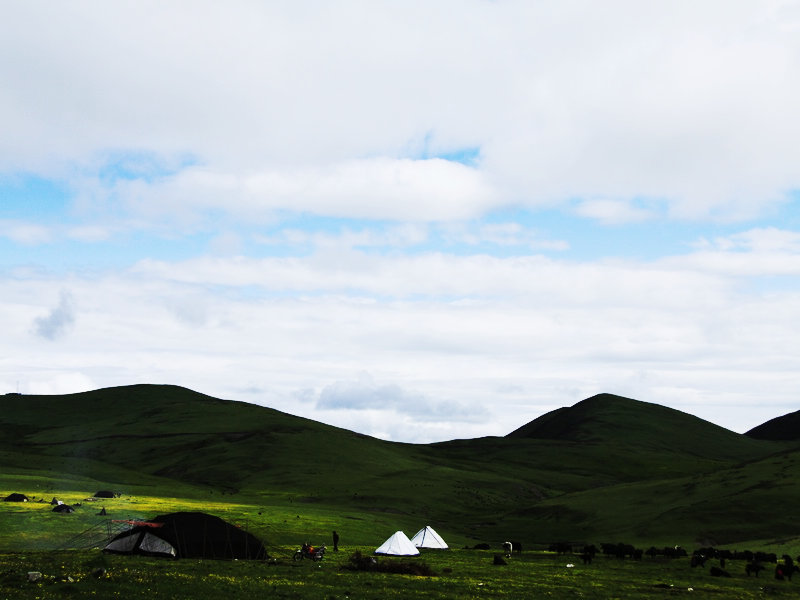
[418,221]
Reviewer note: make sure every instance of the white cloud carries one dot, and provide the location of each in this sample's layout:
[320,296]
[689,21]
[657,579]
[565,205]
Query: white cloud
[29,234]
[89,234]
[326,110]
[438,275]
[769,239]
[208,123]
[397,236]
[612,212]
[380,188]
[468,346]
[501,234]
[753,253]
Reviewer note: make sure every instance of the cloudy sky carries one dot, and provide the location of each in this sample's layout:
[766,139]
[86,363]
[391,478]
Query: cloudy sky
[417,220]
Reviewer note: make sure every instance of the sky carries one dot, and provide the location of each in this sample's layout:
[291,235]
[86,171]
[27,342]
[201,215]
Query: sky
[417,220]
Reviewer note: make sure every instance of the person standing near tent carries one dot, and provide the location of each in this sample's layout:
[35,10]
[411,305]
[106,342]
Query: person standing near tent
[335,541]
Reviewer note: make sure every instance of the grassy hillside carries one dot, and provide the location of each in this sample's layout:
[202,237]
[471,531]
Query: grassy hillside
[607,467]
[609,419]
[786,427]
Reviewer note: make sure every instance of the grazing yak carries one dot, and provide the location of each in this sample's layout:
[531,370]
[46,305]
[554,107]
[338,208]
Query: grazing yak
[560,548]
[717,572]
[787,569]
[620,550]
[588,554]
[753,568]
[507,548]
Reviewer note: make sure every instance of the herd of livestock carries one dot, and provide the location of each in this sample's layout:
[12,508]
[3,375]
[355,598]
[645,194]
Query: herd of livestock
[755,562]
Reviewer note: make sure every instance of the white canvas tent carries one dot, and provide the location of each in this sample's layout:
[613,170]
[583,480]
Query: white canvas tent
[428,538]
[398,545]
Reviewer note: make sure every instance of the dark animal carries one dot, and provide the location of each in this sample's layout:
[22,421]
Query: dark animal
[769,557]
[335,542]
[516,547]
[588,554]
[675,552]
[481,547]
[619,550]
[498,559]
[507,548]
[785,570]
[698,560]
[560,547]
[717,572]
[753,568]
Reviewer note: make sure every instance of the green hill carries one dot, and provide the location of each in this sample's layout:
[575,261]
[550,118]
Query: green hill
[606,467]
[786,427]
[614,420]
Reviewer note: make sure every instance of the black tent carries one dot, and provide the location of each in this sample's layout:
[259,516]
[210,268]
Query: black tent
[15,497]
[63,508]
[188,535]
[104,494]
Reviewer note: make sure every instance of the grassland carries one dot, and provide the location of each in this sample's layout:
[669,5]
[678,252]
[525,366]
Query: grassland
[458,574]
[607,470]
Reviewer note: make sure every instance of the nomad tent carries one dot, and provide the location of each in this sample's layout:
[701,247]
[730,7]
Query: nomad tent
[105,494]
[428,538]
[15,497]
[397,545]
[63,508]
[187,535]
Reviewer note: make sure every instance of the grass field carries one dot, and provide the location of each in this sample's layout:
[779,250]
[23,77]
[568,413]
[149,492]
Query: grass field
[459,574]
[67,560]
[615,471]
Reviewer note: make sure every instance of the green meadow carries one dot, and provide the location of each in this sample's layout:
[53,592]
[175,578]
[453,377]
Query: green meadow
[455,574]
[608,469]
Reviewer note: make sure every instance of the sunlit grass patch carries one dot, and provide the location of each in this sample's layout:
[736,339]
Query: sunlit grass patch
[461,574]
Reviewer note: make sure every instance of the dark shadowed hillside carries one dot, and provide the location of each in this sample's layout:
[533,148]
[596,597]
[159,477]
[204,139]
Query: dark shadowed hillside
[616,420]
[786,427]
[579,472]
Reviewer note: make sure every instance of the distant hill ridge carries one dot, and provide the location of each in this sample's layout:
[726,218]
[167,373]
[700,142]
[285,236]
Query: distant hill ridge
[562,476]
[784,428]
[617,420]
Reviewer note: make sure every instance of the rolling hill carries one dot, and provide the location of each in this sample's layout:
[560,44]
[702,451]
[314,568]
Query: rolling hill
[606,467]
[786,427]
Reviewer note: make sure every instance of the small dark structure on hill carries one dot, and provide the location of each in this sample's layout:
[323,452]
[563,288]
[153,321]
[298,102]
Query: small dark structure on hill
[188,535]
[105,494]
[63,509]
[16,497]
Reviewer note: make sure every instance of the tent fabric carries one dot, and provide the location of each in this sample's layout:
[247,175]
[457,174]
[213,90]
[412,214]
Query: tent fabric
[397,545]
[141,542]
[15,497]
[63,508]
[188,535]
[104,494]
[428,538]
